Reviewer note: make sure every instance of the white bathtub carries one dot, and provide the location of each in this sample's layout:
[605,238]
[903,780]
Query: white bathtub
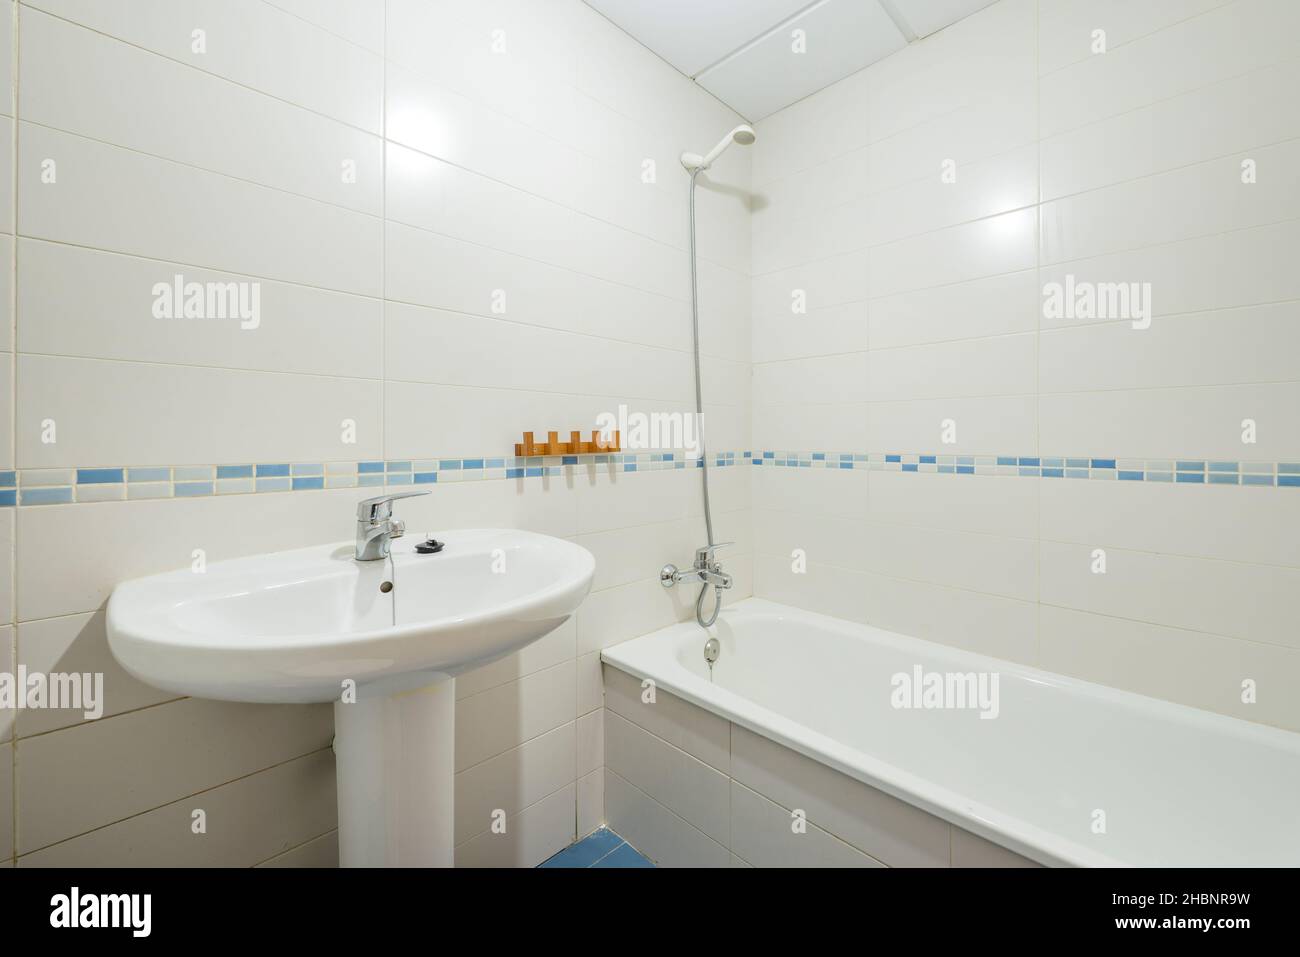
[1177,786]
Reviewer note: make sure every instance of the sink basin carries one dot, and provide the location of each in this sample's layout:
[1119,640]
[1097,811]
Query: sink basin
[383,640]
[294,626]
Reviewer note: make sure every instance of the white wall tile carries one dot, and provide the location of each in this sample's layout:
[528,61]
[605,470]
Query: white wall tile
[138,761]
[1234,599]
[1210,670]
[506,716]
[84,82]
[253,43]
[668,775]
[530,837]
[1228,40]
[117,413]
[513,780]
[6,801]
[247,821]
[1065,26]
[762,836]
[649,826]
[684,726]
[114,199]
[108,314]
[320,851]
[891,831]
[77,644]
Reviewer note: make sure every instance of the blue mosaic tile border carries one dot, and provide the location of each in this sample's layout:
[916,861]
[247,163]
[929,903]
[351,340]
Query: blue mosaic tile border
[63,486]
[1175,471]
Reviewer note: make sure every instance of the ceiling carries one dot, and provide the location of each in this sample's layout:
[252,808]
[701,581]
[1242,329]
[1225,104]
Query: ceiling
[742,51]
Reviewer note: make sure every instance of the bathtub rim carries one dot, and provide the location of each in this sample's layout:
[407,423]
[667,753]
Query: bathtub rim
[642,657]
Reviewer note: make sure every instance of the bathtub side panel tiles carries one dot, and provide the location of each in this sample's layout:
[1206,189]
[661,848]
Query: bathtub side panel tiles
[889,830]
[664,837]
[699,733]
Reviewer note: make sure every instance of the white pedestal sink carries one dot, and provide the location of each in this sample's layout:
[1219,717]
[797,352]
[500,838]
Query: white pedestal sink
[383,640]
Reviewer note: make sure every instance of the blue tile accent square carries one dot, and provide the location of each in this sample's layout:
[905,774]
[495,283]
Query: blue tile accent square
[629,466]
[8,479]
[478,463]
[1103,463]
[366,467]
[1218,478]
[47,495]
[514,473]
[1288,468]
[1223,466]
[1290,481]
[495,463]
[1129,476]
[398,466]
[430,478]
[893,458]
[149,475]
[272,471]
[1190,467]
[1076,463]
[234,471]
[912,467]
[1031,461]
[1006,460]
[1053,473]
[769,455]
[928,460]
[449,465]
[1257,480]
[566,460]
[1192,478]
[8,497]
[533,472]
[99,476]
[965,470]
[308,482]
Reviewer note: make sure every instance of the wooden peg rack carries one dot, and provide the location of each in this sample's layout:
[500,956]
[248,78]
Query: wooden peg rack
[575,445]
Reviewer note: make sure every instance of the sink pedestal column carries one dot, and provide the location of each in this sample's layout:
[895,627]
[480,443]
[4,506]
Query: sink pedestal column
[395,759]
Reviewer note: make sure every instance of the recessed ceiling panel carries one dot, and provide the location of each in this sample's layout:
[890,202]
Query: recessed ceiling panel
[694,34]
[825,44]
[927,16]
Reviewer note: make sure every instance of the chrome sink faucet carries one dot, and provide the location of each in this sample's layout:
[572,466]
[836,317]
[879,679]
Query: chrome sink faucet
[376,527]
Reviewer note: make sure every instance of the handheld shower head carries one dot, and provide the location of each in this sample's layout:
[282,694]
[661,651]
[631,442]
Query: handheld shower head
[743,134]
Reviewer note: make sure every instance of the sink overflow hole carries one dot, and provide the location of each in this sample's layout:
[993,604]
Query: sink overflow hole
[386,587]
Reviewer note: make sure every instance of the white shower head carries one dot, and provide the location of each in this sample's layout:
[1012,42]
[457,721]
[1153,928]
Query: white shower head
[743,134]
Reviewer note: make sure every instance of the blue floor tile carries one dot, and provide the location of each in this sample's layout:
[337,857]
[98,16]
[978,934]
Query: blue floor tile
[625,855]
[587,851]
